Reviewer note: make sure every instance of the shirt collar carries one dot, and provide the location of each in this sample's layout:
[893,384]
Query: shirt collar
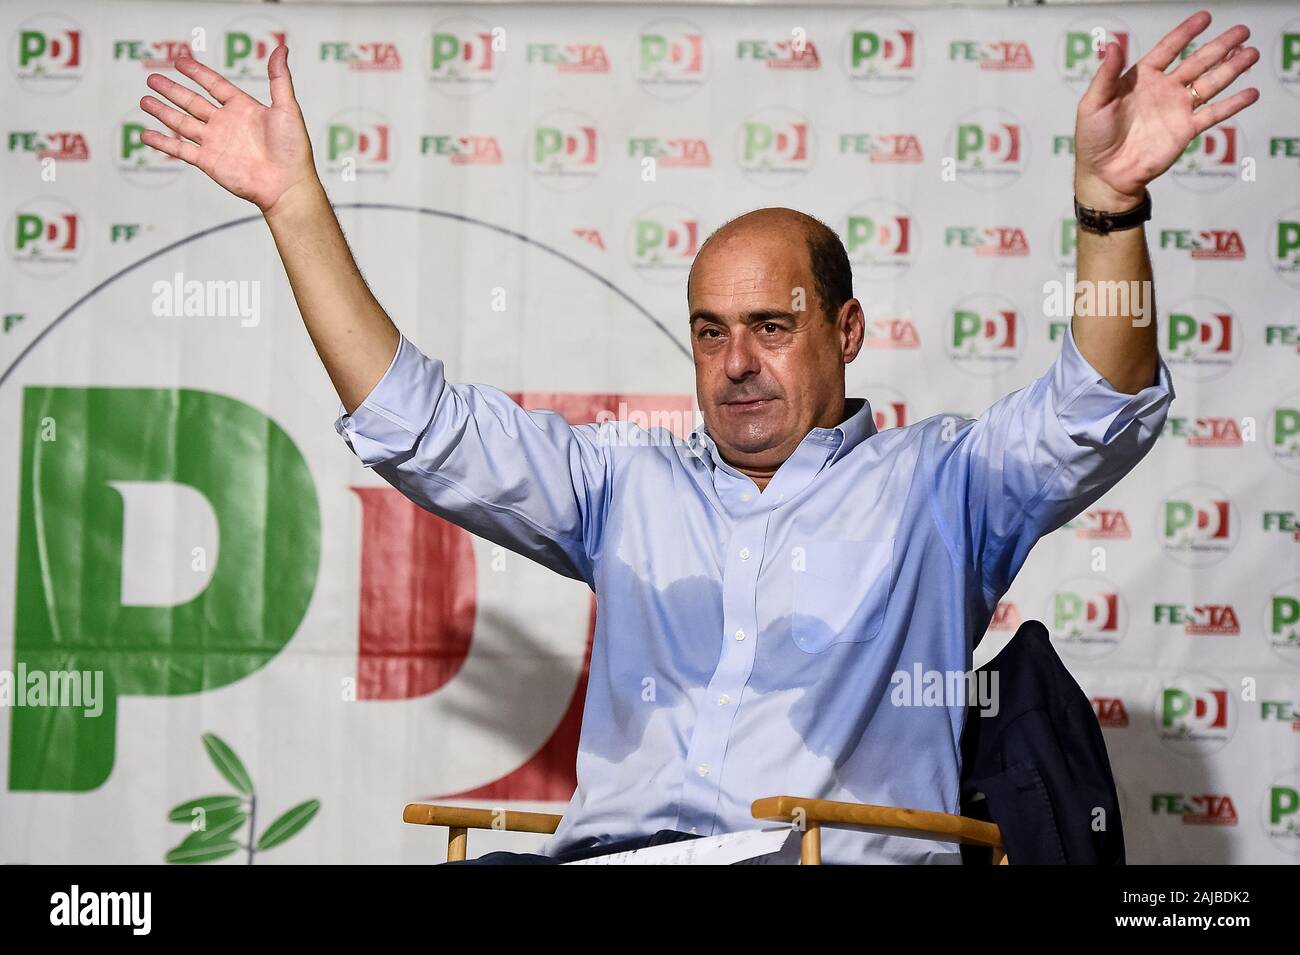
[859,425]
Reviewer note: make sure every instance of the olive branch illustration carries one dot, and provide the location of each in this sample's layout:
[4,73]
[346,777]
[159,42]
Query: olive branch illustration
[215,820]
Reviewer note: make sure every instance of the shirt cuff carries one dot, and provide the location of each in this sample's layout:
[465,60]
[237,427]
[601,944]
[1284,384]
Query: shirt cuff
[398,409]
[1091,408]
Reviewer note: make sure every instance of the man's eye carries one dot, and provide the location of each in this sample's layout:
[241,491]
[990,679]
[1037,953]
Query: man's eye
[771,327]
[709,332]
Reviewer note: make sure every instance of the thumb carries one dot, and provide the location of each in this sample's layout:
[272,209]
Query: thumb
[277,69]
[1105,80]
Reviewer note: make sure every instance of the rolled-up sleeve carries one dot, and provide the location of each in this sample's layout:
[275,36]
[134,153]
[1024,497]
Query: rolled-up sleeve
[527,480]
[1039,457]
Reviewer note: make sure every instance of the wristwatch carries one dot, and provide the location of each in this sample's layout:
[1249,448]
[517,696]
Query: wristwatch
[1101,223]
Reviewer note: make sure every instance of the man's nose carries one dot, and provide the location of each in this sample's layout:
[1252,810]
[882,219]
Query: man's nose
[742,359]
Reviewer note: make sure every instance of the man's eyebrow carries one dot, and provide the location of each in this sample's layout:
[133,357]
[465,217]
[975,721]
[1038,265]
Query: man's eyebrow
[749,318]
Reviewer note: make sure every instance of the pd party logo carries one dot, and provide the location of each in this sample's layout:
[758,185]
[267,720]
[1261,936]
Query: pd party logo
[1195,715]
[1284,249]
[1211,160]
[246,46]
[136,162]
[985,336]
[1083,44]
[775,147]
[662,242]
[48,54]
[1202,338]
[463,55]
[1282,812]
[988,149]
[564,151]
[1284,432]
[882,56]
[1088,617]
[359,142]
[1282,622]
[671,58]
[45,237]
[1286,57]
[880,238]
[1197,525]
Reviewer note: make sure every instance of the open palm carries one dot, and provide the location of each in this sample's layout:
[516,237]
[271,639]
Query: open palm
[1132,126]
[255,151]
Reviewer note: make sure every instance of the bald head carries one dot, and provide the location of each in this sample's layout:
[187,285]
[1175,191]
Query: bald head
[827,261]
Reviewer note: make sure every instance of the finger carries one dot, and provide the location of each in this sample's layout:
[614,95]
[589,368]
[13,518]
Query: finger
[1176,40]
[171,145]
[1210,54]
[173,119]
[277,69]
[1212,114]
[1105,81]
[1221,77]
[193,103]
[222,90]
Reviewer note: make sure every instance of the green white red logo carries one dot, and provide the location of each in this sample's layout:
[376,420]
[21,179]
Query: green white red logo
[461,56]
[247,44]
[564,151]
[1283,435]
[1087,617]
[1195,714]
[1197,525]
[48,54]
[1202,338]
[882,55]
[45,237]
[989,148]
[672,58]
[985,334]
[663,241]
[1284,247]
[1282,622]
[880,237]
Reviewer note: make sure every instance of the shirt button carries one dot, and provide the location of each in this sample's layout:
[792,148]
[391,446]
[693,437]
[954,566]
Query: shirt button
[694,828]
[723,700]
[702,769]
[744,553]
[740,634]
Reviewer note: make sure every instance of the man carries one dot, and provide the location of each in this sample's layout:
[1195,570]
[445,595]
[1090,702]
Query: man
[759,584]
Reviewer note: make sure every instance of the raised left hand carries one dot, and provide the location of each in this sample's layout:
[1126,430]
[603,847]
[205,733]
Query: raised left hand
[1132,126]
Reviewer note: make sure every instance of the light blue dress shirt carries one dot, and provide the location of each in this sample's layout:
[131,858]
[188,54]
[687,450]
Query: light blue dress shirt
[745,642]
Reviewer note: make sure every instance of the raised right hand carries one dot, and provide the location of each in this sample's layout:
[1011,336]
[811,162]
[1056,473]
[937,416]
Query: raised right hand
[256,152]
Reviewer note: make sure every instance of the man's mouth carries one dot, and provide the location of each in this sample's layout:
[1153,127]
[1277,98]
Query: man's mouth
[749,404]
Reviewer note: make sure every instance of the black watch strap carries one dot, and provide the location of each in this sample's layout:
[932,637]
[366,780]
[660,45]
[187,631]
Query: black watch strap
[1101,223]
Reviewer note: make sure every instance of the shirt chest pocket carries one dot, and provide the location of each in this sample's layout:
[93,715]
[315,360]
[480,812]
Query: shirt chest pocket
[840,591]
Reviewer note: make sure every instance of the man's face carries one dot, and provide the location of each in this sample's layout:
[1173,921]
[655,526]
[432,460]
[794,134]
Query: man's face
[769,364]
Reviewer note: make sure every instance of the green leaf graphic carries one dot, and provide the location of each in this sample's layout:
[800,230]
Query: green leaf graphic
[228,764]
[209,804]
[288,824]
[207,852]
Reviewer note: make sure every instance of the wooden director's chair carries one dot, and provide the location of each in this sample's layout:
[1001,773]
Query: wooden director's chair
[811,814]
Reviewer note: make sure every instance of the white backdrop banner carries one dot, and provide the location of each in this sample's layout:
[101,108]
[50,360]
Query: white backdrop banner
[223,640]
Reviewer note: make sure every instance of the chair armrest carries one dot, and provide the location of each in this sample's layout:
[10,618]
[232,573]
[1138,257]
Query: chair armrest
[459,817]
[885,820]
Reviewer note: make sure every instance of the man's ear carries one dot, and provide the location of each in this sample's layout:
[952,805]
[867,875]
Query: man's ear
[852,325]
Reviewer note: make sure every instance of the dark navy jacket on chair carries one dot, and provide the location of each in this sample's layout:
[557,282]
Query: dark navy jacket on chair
[1038,768]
